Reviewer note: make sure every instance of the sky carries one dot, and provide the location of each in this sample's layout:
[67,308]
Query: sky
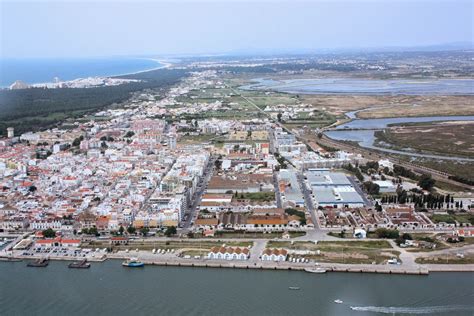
[66,29]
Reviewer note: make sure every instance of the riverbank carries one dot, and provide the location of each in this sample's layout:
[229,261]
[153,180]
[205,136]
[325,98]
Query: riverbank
[363,132]
[173,261]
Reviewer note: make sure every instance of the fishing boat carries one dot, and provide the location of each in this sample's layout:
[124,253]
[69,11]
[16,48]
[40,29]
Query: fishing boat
[294,287]
[79,264]
[133,263]
[317,270]
[40,263]
[338,301]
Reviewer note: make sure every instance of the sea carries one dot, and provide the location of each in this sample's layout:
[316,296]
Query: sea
[107,288]
[34,71]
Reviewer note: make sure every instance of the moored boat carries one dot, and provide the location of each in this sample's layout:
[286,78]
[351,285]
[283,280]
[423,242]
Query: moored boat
[317,270]
[294,287]
[40,263]
[133,263]
[79,265]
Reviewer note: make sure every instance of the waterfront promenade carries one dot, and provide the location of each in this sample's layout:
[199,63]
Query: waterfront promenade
[408,265]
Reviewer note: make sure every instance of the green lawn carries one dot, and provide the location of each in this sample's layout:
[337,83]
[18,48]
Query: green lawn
[257,196]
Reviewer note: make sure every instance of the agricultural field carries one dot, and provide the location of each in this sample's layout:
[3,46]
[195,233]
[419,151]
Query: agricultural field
[262,99]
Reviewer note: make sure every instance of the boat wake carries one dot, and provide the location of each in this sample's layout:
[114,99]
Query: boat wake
[413,310]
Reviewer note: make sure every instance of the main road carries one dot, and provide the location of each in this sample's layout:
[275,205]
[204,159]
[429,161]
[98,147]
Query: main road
[191,214]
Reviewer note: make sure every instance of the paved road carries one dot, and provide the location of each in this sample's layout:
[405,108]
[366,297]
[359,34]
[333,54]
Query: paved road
[362,194]
[196,198]
[277,190]
[256,250]
[308,200]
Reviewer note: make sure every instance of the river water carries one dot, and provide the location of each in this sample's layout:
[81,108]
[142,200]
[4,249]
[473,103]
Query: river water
[109,289]
[363,131]
[365,86]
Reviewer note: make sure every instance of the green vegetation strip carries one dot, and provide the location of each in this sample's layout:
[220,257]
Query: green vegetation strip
[173,244]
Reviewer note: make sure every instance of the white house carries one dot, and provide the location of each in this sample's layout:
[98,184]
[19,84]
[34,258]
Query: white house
[274,255]
[385,163]
[228,253]
[45,224]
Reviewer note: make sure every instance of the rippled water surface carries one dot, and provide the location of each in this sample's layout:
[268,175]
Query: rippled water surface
[110,289]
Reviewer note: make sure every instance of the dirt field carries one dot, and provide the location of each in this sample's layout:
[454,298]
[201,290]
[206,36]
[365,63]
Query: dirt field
[356,252]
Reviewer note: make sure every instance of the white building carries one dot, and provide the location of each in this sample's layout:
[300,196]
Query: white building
[228,253]
[274,255]
[45,224]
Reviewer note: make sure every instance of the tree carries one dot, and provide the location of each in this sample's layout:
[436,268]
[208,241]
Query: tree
[279,115]
[170,231]
[129,134]
[131,230]
[372,188]
[93,231]
[121,230]
[144,231]
[426,182]
[32,188]
[49,233]
[399,241]
[387,233]
[378,207]
[77,141]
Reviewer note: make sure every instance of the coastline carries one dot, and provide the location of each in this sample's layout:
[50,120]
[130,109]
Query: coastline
[161,65]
